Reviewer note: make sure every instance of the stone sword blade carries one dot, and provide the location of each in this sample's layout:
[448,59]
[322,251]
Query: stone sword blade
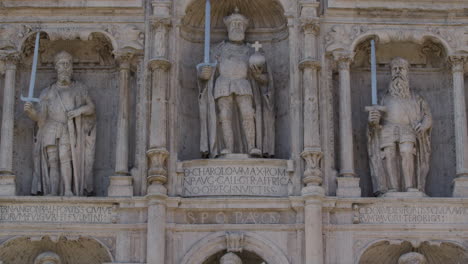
[32,81]
[373,73]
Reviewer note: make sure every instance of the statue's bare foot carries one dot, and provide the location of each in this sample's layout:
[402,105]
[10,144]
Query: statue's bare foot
[68,193]
[255,152]
[226,151]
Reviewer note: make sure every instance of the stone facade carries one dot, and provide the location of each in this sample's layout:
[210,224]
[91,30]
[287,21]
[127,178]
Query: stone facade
[158,199]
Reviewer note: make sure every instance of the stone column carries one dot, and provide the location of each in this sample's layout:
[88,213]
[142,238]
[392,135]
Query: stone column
[157,152]
[121,182]
[156,236]
[461,134]
[312,153]
[7,177]
[348,183]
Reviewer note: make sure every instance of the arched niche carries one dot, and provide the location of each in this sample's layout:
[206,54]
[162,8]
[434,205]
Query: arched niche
[430,77]
[213,246]
[269,27]
[388,252]
[82,250]
[94,65]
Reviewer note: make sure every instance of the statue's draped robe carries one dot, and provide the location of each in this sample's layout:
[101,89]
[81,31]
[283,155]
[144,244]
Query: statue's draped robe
[82,129]
[263,98]
[418,111]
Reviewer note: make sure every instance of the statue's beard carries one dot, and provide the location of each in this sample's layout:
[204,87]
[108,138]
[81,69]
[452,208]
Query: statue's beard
[236,35]
[64,77]
[399,87]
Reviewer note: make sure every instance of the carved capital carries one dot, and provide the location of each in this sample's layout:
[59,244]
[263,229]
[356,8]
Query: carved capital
[10,59]
[310,25]
[124,57]
[313,170]
[309,63]
[234,241]
[159,64]
[458,62]
[160,23]
[343,58]
[157,172]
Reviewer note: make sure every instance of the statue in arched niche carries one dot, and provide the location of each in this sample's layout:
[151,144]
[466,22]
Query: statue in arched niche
[399,136]
[65,142]
[236,97]
[230,258]
[412,258]
[47,258]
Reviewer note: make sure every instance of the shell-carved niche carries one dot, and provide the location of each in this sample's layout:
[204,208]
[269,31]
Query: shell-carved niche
[96,50]
[270,23]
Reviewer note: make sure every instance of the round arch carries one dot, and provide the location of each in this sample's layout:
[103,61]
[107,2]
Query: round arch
[86,249]
[285,4]
[83,35]
[385,251]
[216,242]
[386,36]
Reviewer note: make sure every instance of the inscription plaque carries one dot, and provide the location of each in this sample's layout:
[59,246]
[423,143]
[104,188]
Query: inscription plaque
[410,214]
[56,213]
[252,177]
[237,217]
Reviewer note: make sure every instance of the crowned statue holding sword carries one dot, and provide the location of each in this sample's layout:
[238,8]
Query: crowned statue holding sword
[236,95]
[65,141]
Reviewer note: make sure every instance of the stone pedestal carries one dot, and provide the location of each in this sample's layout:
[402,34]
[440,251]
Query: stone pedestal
[120,186]
[348,187]
[460,187]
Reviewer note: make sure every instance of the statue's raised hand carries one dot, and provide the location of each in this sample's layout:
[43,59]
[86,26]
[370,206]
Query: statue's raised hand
[29,109]
[374,117]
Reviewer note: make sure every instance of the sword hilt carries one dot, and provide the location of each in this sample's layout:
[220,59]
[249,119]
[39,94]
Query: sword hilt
[29,99]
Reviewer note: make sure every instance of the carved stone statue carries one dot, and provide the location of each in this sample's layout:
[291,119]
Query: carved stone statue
[399,136]
[65,141]
[236,98]
[412,258]
[47,258]
[230,258]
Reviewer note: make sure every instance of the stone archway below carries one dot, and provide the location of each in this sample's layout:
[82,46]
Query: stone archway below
[215,244]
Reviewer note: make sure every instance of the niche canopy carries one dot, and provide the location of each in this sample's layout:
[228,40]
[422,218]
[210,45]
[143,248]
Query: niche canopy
[268,24]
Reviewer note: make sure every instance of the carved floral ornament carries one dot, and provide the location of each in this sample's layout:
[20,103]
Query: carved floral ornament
[13,37]
[346,37]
